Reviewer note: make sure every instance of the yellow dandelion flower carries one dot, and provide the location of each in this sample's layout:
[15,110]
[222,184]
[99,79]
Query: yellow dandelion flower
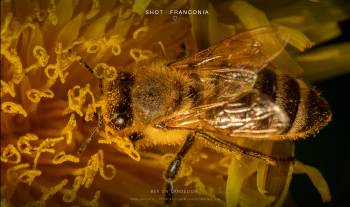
[54,55]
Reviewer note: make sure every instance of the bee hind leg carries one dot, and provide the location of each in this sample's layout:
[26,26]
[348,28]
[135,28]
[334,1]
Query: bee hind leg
[174,167]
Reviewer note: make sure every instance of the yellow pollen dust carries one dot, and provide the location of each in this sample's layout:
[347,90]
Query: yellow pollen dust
[122,143]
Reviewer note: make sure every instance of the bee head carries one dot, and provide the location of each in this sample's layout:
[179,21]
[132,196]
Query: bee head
[118,113]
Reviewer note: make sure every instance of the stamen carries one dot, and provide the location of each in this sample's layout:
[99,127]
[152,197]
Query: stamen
[10,155]
[13,108]
[138,54]
[68,129]
[62,157]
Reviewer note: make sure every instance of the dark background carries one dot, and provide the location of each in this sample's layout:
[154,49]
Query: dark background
[329,151]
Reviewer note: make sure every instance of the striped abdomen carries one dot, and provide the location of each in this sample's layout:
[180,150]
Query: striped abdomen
[307,110]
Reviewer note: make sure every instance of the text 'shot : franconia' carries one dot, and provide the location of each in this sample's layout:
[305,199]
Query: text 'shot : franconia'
[176,12]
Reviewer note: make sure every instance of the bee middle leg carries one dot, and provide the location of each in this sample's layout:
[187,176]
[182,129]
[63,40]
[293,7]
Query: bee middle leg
[174,167]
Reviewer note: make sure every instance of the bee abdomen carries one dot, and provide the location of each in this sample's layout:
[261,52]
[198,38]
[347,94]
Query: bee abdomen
[306,109]
[267,83]
[283,90]
[313,112]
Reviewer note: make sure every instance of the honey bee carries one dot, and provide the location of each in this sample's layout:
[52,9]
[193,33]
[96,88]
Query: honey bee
[225,92]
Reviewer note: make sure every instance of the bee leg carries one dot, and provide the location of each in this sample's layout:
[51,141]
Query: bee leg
[174,167]
[92,134]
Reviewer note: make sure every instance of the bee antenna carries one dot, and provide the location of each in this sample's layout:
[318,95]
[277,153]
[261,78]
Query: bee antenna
[85,65]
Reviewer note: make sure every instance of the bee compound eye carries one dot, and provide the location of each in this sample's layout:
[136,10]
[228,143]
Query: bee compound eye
[135,136]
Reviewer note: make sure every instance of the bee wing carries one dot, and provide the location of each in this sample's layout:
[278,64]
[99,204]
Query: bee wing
[243,50]
[251,115]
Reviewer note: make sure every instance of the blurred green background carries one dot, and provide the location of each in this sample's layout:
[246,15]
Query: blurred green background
[329,151]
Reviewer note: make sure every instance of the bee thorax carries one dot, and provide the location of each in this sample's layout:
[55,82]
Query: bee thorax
[154,98]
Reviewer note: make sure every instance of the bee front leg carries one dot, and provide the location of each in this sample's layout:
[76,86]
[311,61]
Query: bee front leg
[174,167]
[86,142]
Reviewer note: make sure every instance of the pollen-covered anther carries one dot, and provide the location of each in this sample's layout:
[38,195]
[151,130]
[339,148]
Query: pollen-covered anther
[138,54]
[10,155]
[93,46]
[115,42]
[68,129]
[137,32]
[61,157]
[17,78]
[69,195]
[95,164]
[19,173]
[47,193]
[105,72]
[122,143]
[13,58]
[7,88]
[76,99]
[35,95]
[85,176]
[63,61]
[102,44]
[13,108]
[46,146]
[23,144]
[41,56]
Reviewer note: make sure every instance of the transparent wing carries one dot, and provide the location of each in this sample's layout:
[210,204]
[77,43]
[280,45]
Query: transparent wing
[223,83]
[243,51]
[251,115]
